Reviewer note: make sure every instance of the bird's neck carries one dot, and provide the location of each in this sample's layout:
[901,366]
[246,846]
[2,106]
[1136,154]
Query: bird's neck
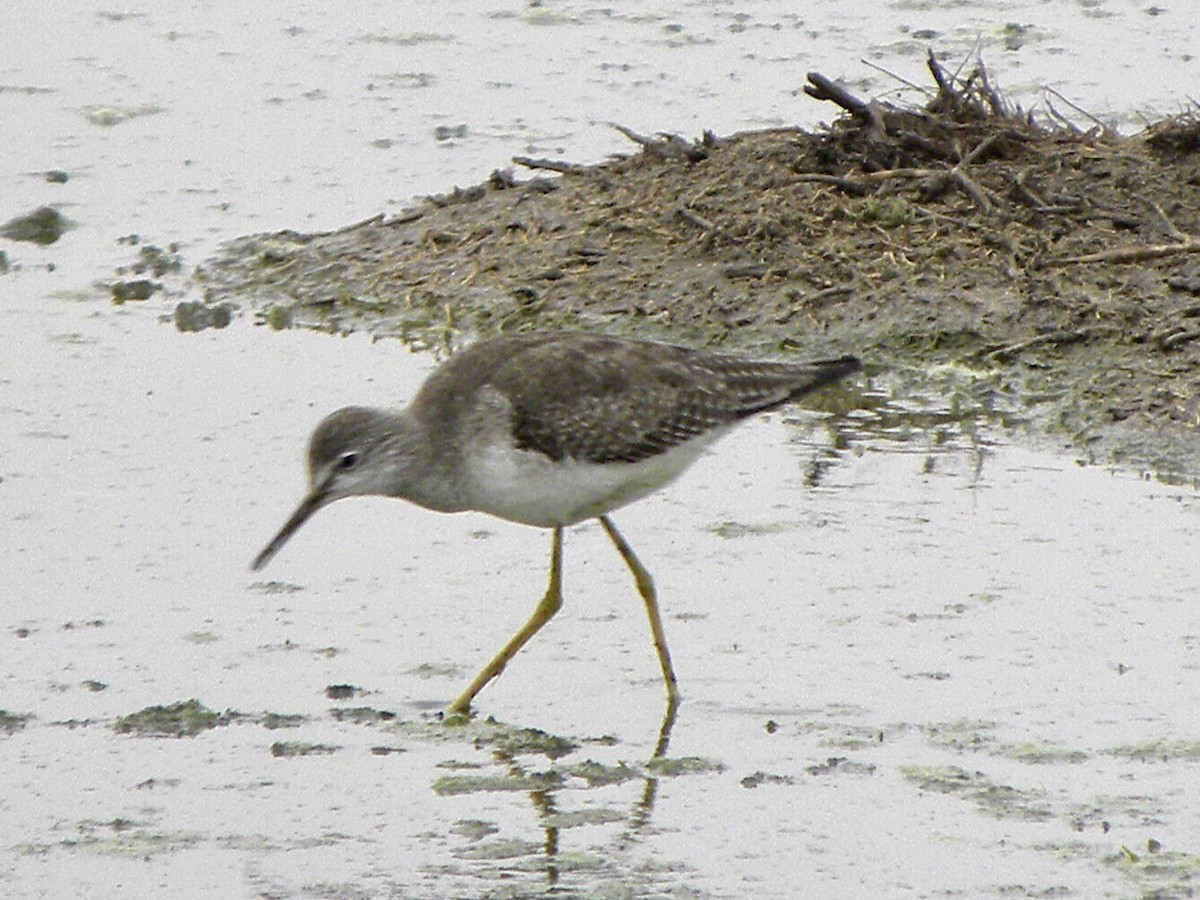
[419,472]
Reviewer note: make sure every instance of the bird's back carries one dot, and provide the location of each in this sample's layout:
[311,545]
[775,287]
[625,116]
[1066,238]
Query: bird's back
[602,399]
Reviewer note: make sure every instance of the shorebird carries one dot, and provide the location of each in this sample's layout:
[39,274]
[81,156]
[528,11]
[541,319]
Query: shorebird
[549,429]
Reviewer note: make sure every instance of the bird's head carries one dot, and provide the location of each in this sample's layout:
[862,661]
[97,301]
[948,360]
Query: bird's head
[347,457]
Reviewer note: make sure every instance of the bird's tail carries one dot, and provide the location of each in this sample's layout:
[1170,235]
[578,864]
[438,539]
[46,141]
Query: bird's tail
[761,386]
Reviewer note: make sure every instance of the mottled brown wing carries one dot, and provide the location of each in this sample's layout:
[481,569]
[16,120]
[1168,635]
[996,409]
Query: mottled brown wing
[600,399]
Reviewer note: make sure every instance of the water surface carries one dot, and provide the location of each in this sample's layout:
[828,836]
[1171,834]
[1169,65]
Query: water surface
[918,659]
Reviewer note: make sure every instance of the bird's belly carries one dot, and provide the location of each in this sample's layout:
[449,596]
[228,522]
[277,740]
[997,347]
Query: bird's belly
[527,487]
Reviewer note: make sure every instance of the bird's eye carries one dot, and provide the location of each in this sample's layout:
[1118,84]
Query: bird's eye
[348,461]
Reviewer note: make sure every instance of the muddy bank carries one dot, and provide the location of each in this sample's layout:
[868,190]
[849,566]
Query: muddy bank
[1026,265]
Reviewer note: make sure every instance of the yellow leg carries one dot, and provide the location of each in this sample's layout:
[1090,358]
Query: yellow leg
[645,586]
[545,611]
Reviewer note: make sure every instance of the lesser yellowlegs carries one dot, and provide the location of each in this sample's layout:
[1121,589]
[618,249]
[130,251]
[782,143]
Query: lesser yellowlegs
[548,430]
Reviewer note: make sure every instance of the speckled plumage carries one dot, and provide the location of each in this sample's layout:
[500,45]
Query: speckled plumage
[548,429]
[600,399]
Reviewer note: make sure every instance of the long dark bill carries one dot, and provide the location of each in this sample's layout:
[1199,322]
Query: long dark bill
[307,507]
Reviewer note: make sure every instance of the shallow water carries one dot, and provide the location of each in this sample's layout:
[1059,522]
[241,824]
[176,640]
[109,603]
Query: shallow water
[931,663]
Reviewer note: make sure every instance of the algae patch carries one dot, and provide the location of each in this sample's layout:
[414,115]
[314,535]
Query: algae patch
[187,718]
[1162,750]
[505,740]
[732,530]
[42,226]
[362,715]
[672,766]
[289,749]
[120,837]
[11,722]
[452,785]
[271,720]
[999,800]
[597,774]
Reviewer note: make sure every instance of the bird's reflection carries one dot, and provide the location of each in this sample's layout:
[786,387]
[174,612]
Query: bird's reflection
[640,817]
[545,799]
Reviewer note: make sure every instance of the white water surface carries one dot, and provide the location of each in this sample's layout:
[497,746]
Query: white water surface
[950,667]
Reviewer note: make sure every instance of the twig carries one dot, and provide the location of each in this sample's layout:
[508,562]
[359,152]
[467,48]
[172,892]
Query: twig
[693,219]
[1062,120]
[406,216]
[821,88]
[553,165]
[1125,254]
[995,101]
[668,146]
[818,297]
[1104,129]
[891,74]
[975,192]
[945,88]
[365,223]
[1171,341]
[982,147]
[744,270]
[848,185]
[640,139]
[1172,230]
[974,54]
[1065,336]
[1026,193]
[861,184]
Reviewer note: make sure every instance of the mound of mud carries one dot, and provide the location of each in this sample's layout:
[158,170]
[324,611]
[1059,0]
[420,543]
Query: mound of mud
[1048,266]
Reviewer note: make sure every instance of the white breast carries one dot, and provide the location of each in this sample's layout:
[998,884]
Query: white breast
[527,487]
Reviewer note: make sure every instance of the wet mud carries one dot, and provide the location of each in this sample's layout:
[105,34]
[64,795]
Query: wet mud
[919,660]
